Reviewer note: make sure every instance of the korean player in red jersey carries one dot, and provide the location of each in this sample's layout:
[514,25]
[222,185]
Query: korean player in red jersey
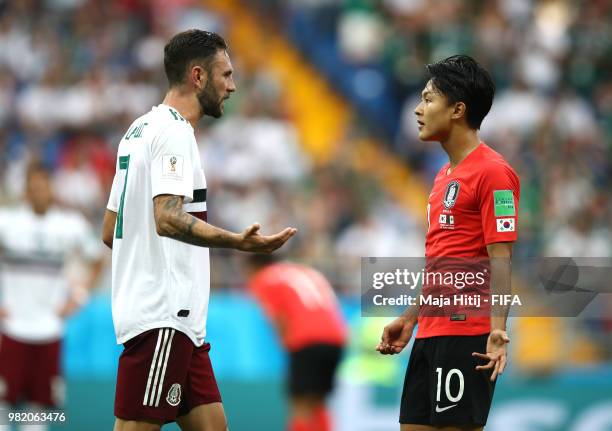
[472,213]
[302,306]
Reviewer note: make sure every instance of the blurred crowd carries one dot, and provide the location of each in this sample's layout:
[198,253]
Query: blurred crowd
[552,116]
[75,73]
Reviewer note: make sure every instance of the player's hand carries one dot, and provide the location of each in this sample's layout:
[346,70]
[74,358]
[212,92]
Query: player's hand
[78,297]
[3,314]
[496,353]
[68,308]
[395,336]
[251,240]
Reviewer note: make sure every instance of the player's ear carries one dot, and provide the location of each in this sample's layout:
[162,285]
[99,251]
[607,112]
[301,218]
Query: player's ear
[459,110]
[198,76]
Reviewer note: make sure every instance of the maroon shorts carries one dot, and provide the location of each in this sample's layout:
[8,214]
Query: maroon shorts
[30,372]
[162,375]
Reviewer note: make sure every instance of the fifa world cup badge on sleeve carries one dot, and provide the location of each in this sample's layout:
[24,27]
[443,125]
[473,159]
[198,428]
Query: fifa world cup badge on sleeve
[504,203]
[172,166]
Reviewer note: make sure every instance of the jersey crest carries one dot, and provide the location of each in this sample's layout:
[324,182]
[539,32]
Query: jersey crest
[450,195]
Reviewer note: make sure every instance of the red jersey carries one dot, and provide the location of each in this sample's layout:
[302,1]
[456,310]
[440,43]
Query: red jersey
[304,303]
[473,206]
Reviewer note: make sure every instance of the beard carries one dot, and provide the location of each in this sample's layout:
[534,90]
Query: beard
[209,101]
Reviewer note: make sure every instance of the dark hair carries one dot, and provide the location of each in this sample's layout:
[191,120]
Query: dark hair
[461,79]
[259,260]
[185,48]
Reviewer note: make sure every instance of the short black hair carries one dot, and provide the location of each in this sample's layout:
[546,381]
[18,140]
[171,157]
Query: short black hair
[185,48]
[259,260]
[461,79]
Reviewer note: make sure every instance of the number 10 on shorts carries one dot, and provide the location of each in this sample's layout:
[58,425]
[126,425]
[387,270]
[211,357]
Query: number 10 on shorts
[447,383]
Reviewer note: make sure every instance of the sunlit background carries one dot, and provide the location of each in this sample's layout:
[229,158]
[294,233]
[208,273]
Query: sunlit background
[321,135]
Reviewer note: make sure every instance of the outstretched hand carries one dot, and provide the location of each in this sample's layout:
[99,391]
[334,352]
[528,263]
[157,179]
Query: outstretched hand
[496,353]
[251,240]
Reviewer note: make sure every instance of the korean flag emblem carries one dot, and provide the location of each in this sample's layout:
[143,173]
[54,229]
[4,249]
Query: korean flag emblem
[505,225]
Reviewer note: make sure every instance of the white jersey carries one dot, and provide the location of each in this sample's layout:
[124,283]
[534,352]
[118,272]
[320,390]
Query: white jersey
[157,281]
[34,250]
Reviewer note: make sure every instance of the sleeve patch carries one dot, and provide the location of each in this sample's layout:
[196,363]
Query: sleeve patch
[172,166]
[504,203]
[505,225]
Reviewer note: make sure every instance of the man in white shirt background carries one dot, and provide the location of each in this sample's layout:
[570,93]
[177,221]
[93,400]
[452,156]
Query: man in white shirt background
[38,243]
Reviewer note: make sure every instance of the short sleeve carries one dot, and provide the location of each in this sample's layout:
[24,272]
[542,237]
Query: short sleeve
[113,199]
[172,162]
[499,195]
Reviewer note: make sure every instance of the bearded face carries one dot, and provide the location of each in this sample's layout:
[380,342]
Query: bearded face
[211,101]
[219,85]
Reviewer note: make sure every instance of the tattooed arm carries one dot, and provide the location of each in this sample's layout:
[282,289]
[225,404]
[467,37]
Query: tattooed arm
[173,222]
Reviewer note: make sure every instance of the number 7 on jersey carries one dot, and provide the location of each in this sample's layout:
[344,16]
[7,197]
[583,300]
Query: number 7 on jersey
[124,164]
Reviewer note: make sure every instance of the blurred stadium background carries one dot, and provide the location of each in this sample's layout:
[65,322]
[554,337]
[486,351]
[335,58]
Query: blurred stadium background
[320,135]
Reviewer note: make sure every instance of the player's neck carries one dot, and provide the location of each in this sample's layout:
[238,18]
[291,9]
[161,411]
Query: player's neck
[460,143]
[186,103]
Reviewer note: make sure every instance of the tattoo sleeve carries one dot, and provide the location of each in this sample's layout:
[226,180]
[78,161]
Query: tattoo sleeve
[173,222]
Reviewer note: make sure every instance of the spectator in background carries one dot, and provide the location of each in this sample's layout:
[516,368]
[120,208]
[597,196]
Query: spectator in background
[37,241]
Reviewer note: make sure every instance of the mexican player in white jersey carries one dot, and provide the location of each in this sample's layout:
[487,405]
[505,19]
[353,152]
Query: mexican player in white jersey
[155,223]
[37,241]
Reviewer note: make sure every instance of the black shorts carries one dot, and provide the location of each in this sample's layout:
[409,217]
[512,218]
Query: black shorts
[442,386]
[312,369]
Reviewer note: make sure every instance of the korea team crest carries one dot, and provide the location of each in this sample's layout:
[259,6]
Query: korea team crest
[450,195]
[174,395]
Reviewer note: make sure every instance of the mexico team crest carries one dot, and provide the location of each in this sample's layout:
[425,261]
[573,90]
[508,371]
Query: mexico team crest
[450,195]
[174,395]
